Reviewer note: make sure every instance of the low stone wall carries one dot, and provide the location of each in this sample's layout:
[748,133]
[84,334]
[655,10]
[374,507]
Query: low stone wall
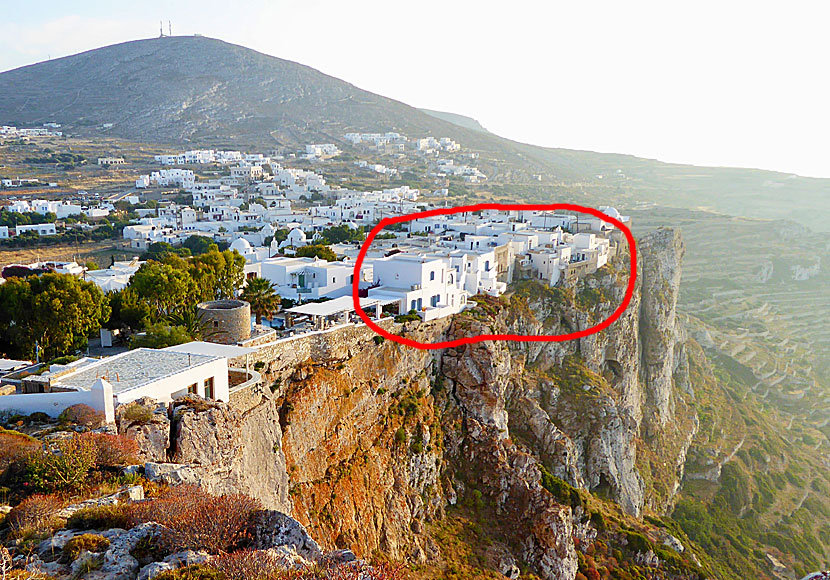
[282,356]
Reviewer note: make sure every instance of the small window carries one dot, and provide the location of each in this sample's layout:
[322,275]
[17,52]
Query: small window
[432,275]
[209,394]
[193,389]
[215,324]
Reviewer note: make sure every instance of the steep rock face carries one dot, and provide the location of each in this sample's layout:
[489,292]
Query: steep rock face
[361,440]
[663,251]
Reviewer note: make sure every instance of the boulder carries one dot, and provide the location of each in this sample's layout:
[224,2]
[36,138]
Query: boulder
[147,423]
[273,529]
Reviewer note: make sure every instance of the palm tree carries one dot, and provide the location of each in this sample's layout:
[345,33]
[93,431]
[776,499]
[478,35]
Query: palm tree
[192,322]
[263,298]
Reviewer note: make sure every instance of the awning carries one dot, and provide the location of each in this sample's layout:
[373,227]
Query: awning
[331,307]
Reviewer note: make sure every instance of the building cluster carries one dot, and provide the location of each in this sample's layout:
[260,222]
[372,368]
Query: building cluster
[47,130]
[437,264]
[376,167]
[62,209]
[446,167]
[321,151]
[392,141]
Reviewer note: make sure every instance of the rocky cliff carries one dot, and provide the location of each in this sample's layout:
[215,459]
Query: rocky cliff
[368,443]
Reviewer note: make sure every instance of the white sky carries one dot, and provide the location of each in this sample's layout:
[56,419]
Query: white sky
[737,83]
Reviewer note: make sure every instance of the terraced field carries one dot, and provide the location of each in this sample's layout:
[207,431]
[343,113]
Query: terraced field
[759,292]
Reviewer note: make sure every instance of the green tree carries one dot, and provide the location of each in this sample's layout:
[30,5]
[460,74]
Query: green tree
[317,251]
[281,235]
[192,322]
[166,288]
[342,233]
[130,312]
[262,296]
[56,312]
[161,335]
[159,250]
[199,245]
[219,275]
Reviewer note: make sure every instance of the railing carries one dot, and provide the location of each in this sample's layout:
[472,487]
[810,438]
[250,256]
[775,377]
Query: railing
[254,378]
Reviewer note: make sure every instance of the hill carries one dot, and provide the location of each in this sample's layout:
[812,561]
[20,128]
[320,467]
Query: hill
[460,120]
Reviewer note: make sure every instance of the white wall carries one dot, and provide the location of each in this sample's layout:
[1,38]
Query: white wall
[53,404]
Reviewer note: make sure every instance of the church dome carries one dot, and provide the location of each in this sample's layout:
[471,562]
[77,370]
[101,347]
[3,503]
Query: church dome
[241,245]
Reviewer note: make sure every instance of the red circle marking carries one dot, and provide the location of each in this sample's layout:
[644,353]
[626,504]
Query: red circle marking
[629,290]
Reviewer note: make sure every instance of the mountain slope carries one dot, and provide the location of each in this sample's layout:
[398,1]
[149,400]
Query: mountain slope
[460,120]
[178,90]
[188,88]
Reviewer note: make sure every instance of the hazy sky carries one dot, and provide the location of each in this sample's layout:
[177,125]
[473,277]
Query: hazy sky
[740,83]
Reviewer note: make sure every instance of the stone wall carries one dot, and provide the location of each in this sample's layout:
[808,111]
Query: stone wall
[227,321]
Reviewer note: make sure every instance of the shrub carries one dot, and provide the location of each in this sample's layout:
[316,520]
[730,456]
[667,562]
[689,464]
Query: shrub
[245,564]
[198,520]
[64,469]
[35,514]
[81,414]
[564,493]
[89,542]
[101,517]
[136,413]
[259,365]
[411,317]
[112,450]
[197,572]
[400,436]
[38,417]
[15,446]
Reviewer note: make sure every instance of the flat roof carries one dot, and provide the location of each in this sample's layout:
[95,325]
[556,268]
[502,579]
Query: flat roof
[7,364]
[134,368]
[335,306]
[212,349]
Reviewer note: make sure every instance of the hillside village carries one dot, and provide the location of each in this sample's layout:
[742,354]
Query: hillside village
[277,218]
[188,390]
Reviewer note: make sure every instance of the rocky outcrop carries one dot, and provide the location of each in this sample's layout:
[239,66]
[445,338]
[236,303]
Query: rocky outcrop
[662,253]
[146,421]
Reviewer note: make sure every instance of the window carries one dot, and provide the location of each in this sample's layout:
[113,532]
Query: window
[193,389]
[215,324]
[432,275]
[434,300]
[413,305]
[209,394]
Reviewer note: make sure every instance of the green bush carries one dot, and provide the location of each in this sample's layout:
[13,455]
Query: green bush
[101,517]
[400,436]
[197,572]
[64,469]
[139,414]
[89,542]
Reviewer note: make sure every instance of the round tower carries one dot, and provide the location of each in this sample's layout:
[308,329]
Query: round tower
[225,321]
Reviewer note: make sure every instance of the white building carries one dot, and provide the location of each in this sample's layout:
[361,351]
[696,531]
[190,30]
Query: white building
[39,229]
[106,383]
[308,278]
[429,286]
